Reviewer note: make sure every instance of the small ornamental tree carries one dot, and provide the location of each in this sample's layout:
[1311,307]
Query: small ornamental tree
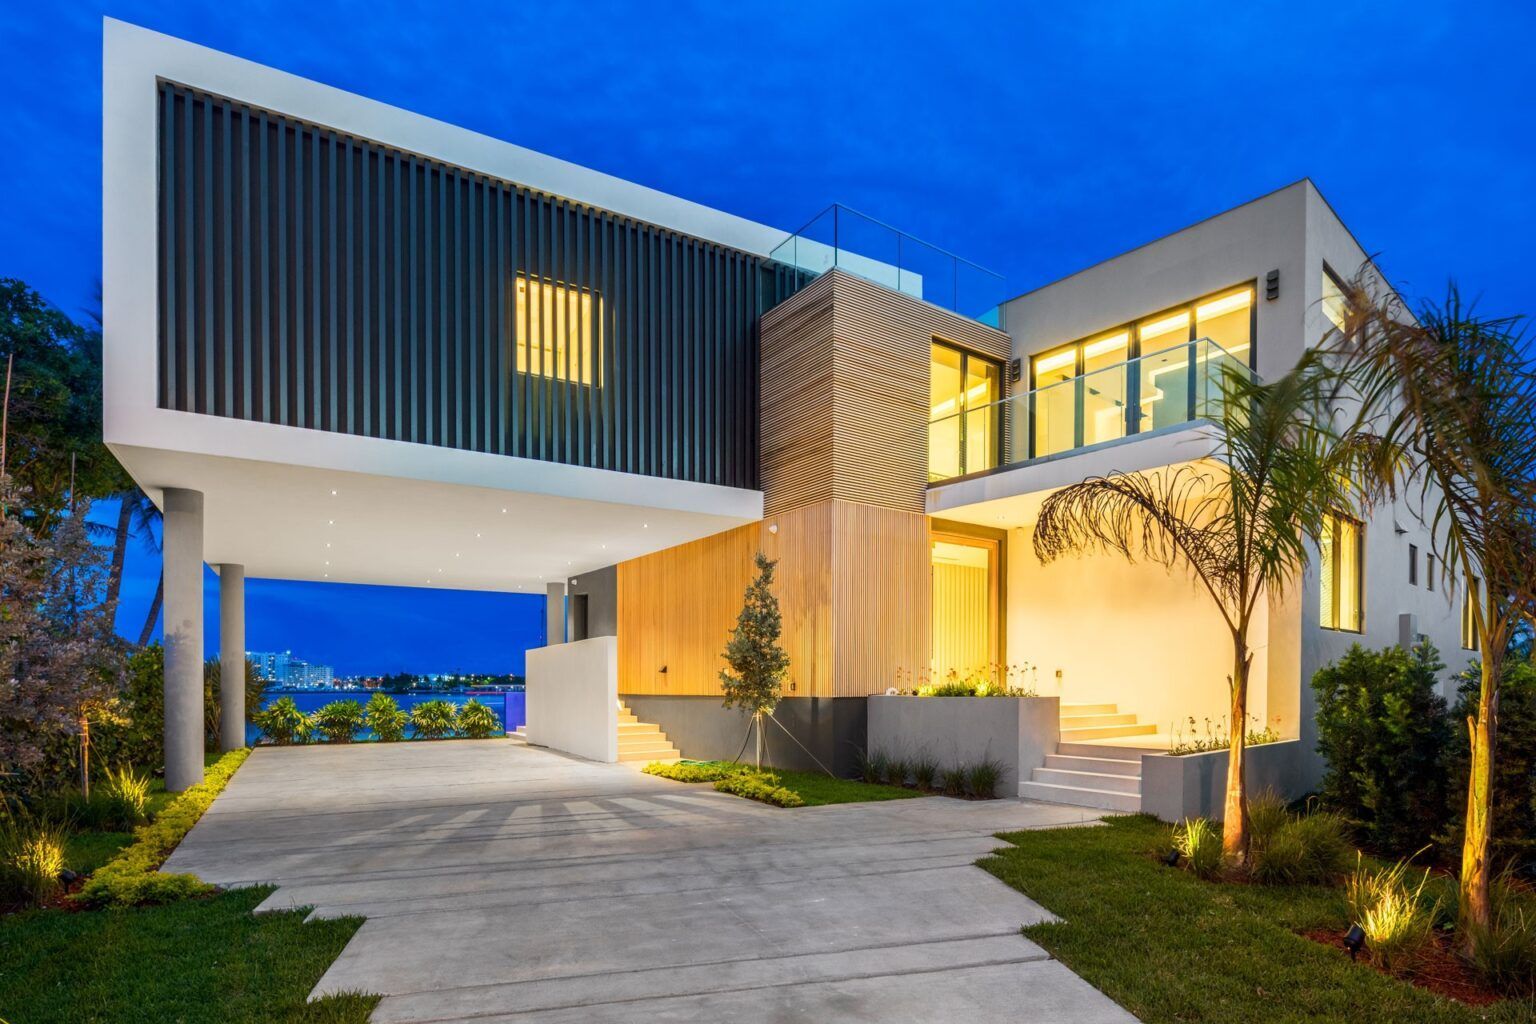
[757,663]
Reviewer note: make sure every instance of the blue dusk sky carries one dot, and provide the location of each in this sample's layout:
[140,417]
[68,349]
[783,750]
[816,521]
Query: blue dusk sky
[1034,139]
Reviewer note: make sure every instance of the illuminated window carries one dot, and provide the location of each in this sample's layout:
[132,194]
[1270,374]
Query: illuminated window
[965,419]
[1335,306]
[558,335]
[1340,573]
[1469,603]
[965,604]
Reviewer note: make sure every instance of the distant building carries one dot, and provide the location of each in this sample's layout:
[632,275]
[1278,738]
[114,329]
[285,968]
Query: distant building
[283,670]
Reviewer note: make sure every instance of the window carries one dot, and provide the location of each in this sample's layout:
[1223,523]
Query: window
[556,327]
[1341,573]
[1138,377]
[1469,609]
[1413,565]
[1429,573]
[1335,306]
[965,417]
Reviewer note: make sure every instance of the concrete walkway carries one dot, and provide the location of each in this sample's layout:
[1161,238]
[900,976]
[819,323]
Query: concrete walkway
[506,883]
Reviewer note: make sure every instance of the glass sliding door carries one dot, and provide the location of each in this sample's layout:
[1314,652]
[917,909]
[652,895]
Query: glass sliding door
[965,606]
[965,412]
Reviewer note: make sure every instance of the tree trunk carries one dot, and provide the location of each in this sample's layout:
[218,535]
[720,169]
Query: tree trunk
[758,724]
[119,550]
[1234,830]
[85,757]
[1477,839]
[154,611]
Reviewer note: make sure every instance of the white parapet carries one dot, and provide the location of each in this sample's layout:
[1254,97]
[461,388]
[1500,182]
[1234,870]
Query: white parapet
[573,698]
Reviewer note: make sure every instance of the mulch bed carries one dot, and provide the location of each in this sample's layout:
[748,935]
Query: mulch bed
[1441,969]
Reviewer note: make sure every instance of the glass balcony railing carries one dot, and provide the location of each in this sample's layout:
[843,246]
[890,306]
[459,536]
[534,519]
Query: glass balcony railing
[1162,389]
[848,240]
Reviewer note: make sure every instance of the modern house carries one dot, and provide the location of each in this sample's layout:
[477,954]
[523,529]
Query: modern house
[345,342]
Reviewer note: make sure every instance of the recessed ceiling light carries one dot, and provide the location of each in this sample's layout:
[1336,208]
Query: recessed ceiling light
[333,494]
[455,554]
[330,522]
[477,536]
[327,563]
[503,511]
[645,526]
[603,547]
[327,545]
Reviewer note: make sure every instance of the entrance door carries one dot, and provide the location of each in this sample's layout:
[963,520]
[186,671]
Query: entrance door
[965,607]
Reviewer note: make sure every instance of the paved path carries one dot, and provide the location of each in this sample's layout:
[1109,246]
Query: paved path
[507,883]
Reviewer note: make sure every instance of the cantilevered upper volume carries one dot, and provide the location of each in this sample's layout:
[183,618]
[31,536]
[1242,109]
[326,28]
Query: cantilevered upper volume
[355,329]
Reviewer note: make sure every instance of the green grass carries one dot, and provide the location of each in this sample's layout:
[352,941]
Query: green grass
[1172,949]
[204,960]
[84,852]
[813,788]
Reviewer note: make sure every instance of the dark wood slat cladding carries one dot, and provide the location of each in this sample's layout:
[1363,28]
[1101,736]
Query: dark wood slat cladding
[317,280]
[845,392]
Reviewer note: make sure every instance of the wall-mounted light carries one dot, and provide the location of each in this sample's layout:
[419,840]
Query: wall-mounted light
[1272,285]
[773,528]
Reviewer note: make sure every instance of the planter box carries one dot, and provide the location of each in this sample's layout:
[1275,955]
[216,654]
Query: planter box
[1017,731]
[1195,785]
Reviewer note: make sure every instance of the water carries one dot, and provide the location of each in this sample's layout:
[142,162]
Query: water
[508,707]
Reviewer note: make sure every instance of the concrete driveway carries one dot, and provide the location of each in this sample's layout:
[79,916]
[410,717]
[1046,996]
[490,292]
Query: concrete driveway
[506,883]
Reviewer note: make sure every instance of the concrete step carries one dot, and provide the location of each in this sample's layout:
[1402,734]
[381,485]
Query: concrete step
[638,729]
[652,742]
[667,753]
[1088,780]
[1090,709]
[1119,752]
[1096,765]
[1104,732]
[1103,800]
[1094,721]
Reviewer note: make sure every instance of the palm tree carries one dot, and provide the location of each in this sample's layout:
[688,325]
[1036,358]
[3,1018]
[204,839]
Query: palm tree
[1242,519]
[1454,393]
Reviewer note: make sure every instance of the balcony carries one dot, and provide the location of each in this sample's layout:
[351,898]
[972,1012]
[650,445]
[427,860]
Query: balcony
[848,240]
[1153,393]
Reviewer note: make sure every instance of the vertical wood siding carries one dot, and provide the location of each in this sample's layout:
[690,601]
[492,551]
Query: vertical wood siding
[317,280]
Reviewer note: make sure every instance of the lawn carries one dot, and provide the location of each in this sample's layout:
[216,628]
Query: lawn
[814,788]
[1172,949]
[201,960]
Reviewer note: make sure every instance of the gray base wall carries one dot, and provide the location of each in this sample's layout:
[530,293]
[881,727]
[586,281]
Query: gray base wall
[1195,785]
[832,728]
[1016,731]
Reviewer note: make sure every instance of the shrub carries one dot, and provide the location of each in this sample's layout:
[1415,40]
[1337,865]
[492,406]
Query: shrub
[1384,730]
[694,771]
[759,786]
[476,721]
[338,721]
[382,716]
[126,796]
[1267,813]
[1281,859]
[432,719]
[1310,850]
[1504,951]
[924,770]
[133,876]
[952,780]
[282,722]
[1397,919]
[983,776]
[31,857]
[873,766]
[896,771]
[1199,844]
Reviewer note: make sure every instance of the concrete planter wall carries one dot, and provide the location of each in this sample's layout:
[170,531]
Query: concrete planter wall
[1195,785]
[1017,731]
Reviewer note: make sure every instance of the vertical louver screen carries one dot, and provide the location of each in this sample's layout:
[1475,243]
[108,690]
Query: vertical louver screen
[316,280]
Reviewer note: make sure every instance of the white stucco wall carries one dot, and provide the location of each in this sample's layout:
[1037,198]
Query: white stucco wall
[573,698]
[1129,633]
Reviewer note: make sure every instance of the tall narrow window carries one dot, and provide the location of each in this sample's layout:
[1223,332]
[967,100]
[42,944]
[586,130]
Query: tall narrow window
[1340,573]
[1429,572]
[965,417]
[1335,306]
[1469,608]
[557,325]
[1413,565]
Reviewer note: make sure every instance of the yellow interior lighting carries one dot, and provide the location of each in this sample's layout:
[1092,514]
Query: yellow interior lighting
[555,329]
[1167,325]
[1226,304]
[1056,360]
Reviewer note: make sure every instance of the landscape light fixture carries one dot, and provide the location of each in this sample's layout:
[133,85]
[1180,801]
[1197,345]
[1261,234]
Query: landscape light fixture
[1354,940]
[1171,858]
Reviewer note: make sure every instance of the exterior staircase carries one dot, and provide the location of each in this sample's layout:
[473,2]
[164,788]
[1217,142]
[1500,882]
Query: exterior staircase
[1097,762]
[639,742]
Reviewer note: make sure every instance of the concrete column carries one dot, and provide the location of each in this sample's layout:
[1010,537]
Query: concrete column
[554,613]
[183,567]
[231,657]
